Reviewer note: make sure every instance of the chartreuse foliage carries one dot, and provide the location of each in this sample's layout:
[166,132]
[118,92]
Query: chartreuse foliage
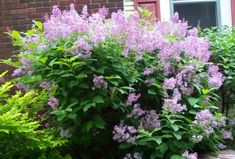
[21,131]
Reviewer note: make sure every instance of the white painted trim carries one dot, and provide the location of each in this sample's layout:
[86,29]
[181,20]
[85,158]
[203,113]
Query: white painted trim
[192,1]
[165,10]
[129,7]
[226,12]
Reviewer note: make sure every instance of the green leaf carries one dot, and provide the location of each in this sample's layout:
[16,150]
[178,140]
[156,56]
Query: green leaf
[175,127]
[152,92]
[98,122]
[124,146]
[38,24]
[15,34]
[98,99]
[192,101]
[157,139]
[81,75]
[88,125]
[68,109]
[72,116]
[177,157]
[177,135]
[88,106]
[163,148]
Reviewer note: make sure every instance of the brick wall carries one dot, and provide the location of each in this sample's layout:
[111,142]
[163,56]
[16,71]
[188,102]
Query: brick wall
[18,15]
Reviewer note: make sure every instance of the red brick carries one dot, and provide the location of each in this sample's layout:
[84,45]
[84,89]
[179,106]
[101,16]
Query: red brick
[98,1]
[18,14]
[35,4]
[82,1]
[15,6]
[9,1]
[26,1]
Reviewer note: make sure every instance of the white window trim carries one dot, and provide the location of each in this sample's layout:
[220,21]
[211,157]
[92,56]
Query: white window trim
[166,8]
[218,11]
[192,1]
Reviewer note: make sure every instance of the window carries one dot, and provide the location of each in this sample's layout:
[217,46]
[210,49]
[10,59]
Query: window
[198,12]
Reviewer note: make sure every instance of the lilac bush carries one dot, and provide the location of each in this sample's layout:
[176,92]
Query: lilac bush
[150,87]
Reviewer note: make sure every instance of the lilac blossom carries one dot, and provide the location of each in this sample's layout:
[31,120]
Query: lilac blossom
[65,133]
[99,82]
[150,120]
[172,104]
[227,134]
[103,11]
[132,98]
[148,71]
[136,155]
[53,102]
[124,133]
[168,69]
[25,63]
[22,86]
[197,48]
[215,78]
[197,138]
[221,146]
[205,120]
[204,117]
[46,85]
[149,82]
[188,155]
[83,48]
[136,112]
[17,72]
[193,32]
[169,83]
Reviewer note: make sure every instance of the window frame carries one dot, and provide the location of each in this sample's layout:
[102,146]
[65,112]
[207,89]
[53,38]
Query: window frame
[217,9]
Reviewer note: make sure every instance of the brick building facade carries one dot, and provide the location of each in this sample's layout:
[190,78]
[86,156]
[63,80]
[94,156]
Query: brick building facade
[18,15]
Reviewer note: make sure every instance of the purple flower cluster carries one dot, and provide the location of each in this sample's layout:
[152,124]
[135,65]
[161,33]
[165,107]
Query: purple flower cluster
[17,72]
[197,48]
[227,134]
[46,85]
[136,155]
[221,146]
[62,25]
[99,82]
[172,104]
[204,117]
[66,133]
[124,133]
[53,102]
[150,120]
[136,112]
[188,155]
[148,71]
[205,120]
[179,84]
[132,98]
[83,49]
[215,78]
[169,83]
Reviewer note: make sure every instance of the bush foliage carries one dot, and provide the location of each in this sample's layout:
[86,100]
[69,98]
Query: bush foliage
[21,131]
[222,46]
[124,87]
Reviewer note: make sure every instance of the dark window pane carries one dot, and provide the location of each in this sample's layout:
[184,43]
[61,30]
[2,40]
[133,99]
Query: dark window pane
[203,13]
